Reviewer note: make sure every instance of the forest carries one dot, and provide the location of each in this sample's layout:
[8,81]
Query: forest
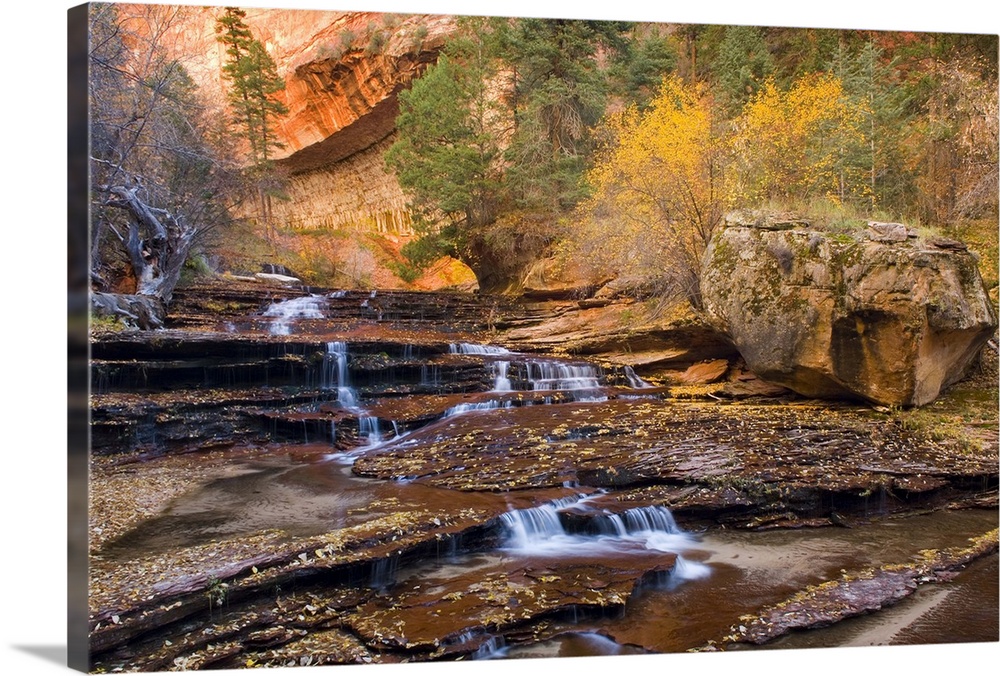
[622,145]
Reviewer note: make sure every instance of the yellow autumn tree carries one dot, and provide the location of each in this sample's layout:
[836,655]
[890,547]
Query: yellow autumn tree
[801,143]
[657,193]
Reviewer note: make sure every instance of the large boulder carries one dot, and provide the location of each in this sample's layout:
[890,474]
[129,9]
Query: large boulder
[872,315]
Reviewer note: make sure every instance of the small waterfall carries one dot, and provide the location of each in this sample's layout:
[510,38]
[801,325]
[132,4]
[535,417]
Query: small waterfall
[501,382]
[491,405]
[635,381]
[383,572]
[650,519]
[527,527]
[490,648]
[554,375]
[368,428]
[338,294]
[335,374]
[472,348]
[540,531]
[286,311]
[636,521]
[430,376]
[610,524]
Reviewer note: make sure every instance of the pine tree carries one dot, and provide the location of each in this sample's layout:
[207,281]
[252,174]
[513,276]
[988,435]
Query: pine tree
[254,80]
[869,84]
[560,93]
[741,66]
[449,157]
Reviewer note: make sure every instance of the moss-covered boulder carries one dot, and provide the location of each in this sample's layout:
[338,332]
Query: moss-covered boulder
[889,320]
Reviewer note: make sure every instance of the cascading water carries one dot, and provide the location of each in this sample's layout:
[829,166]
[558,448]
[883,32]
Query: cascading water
[540,531]
[286,311]
[491,405]
[546,375]
[335,374]
[541,375]
[635,381]
[650,519]
[472,348]
[532,526]
[501,382]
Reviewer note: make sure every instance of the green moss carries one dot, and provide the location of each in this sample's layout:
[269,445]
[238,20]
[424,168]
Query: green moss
[725,258]
[106,323]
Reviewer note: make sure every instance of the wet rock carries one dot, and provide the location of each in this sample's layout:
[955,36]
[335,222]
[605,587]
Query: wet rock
[735,462]
[859,593]
[461,614]
[622,332]
[842,316]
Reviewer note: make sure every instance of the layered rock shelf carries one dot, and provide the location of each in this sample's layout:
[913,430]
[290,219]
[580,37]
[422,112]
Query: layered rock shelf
[329,477]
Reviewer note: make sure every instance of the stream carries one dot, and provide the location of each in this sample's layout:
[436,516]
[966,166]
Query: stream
[355,477]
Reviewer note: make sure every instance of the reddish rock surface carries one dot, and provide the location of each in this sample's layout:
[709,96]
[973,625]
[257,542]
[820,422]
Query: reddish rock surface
[839,315]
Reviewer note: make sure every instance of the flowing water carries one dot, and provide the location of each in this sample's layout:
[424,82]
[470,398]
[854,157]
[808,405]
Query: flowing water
[666,587]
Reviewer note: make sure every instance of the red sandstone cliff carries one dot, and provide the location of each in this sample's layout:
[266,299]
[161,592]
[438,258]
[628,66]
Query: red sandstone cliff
[343,71]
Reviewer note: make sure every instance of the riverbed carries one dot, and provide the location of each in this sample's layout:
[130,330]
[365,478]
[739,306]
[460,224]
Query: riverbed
[356,477]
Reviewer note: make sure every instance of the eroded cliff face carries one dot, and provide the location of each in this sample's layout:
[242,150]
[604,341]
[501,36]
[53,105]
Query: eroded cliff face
[343,72]
[355,192]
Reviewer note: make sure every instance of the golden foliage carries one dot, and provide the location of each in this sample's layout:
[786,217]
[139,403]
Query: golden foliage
[656,186]
[666,176]
[798,143]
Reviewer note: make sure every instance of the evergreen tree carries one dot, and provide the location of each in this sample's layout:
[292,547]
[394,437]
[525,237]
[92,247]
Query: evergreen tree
[876,159]
[449,157]
[254,79]
[741,66]
[642,65]
[560,93]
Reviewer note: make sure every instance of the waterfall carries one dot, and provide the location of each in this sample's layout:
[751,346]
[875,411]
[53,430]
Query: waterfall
[472,348]
[335,374]
[430,376]
[501,382]
[368,428]
[383,572]
[539,531]
[554,375]
[635,381]
[492,647]
[610,524]
[284,312]
[490,405]
[650,519]
[532,526]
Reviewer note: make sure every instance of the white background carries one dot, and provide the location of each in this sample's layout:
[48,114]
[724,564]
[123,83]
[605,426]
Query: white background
[33,362]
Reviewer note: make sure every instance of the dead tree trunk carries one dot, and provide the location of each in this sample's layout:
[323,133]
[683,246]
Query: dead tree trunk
[157,242]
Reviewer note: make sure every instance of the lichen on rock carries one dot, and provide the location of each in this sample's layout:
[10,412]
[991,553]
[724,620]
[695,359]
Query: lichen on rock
[888,320]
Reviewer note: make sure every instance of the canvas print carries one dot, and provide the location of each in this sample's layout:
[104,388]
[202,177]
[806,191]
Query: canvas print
[419,338]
